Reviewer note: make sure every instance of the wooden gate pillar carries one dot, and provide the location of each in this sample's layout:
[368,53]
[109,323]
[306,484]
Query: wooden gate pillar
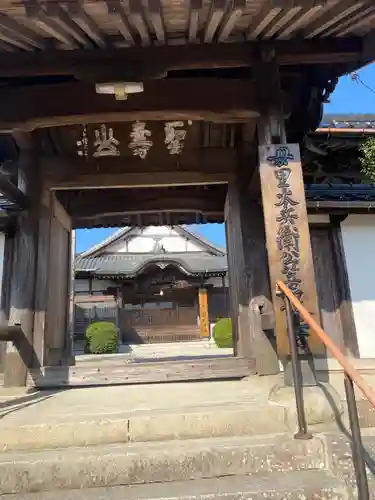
[284,207]
[23,271]
[52,334]
[248,277]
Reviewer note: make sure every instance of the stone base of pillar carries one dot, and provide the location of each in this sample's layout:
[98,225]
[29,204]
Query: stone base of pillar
[308,374]
[322,404]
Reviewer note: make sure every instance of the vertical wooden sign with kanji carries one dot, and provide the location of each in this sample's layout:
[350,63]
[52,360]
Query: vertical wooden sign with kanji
[288,239]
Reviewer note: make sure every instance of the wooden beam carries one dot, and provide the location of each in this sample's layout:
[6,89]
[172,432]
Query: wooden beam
[19,358]
[137,19]
[117,14]
[234,12]
[267,13]
[6,47]
[124,180]
[62,19]
[99,203]
[284,207]
[248,275]
[5,288]
[195,8]
[368,53]
[10,332]
[68,104]
[363,16]
[7,37]
[204,167]
[20,32]
[215,16]
[339,11]
[133,61]
[40,342]
[157,20]
[168,371]
[305,15]
[86,23]
[12,193]
[40,17]
[281,20]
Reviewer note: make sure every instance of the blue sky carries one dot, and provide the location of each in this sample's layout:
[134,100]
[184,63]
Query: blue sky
[349,97]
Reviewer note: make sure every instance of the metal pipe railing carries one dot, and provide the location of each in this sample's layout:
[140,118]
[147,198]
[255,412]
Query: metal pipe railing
[297,375]
[351,377]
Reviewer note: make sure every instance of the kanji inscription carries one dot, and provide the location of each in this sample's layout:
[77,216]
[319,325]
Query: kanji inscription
[83,143]
[174,136]
[288,238]
[105,143]
[140,139]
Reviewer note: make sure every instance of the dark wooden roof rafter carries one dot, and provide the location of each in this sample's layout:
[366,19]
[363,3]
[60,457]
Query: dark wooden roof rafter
[156,61]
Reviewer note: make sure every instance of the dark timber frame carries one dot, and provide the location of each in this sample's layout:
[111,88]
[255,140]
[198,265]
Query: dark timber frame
[251,103]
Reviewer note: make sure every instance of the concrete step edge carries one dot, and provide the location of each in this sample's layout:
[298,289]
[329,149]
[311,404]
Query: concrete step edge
[188,423]
[127,464]
[296,485]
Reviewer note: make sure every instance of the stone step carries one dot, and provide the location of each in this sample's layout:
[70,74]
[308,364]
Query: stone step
[130,464]
[218,420]
[306,485]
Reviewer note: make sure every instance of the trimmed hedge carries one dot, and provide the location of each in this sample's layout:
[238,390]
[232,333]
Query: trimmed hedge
[101,338]
[222,333]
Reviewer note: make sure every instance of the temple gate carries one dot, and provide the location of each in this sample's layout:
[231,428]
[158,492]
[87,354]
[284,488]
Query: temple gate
[141,120]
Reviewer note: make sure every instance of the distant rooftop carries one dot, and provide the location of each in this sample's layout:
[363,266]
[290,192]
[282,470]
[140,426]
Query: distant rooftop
[345,121]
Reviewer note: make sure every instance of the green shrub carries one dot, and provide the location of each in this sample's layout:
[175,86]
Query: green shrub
[222,333]
[101,338]
[367,159]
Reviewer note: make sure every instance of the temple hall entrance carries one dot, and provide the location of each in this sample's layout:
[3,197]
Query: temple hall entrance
[160,284]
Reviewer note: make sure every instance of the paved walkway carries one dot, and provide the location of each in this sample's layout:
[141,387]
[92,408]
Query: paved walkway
[74,404]
[150,352]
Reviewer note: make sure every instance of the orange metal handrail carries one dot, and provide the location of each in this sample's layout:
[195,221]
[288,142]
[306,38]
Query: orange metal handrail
[331,346]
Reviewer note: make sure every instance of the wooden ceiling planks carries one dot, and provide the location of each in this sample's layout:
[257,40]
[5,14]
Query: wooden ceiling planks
[117,13]
[15,32]
[61,18]
[336,14]
[73,24]
[230,20]
[193,23]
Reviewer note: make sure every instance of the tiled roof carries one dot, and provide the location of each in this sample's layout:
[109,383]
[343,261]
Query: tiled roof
[131,264]
[352,121]
[340,192]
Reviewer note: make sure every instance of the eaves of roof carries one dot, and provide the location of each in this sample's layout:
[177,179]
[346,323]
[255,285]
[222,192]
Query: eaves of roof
[132,265]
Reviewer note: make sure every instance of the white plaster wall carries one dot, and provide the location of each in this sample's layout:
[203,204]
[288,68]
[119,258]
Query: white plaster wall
[217,282]
[145,242]
[318,218]
[358,234]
